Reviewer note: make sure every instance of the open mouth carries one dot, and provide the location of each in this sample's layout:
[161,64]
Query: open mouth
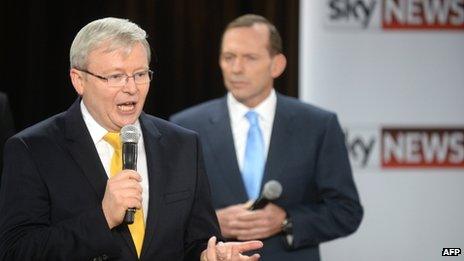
[127,106]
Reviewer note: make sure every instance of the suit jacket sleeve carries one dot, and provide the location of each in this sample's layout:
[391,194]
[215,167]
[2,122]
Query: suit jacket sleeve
[337,211]
[203,222]
[26,229]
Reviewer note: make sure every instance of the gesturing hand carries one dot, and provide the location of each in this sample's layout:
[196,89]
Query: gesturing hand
[230,251]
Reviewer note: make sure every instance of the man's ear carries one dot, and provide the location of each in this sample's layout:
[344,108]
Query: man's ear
[77,80]
[279,62]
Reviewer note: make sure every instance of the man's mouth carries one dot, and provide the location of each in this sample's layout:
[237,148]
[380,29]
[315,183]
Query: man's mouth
[238,82]
[127,106]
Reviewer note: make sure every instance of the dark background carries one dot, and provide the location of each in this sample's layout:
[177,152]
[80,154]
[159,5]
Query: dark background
[184,36]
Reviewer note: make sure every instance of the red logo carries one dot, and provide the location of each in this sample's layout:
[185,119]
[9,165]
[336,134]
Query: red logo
[422,147]
[423,14]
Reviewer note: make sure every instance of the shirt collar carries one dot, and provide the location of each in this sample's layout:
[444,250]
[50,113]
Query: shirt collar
[265,110]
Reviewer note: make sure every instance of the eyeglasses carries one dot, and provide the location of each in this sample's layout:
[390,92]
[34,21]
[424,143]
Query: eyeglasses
[120,79]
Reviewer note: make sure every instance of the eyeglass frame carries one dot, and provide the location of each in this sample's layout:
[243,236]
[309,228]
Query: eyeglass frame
[126,77]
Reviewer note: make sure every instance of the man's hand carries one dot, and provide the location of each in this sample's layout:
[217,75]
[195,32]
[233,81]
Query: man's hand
[227,216]
[122,191]
[238,222]
[231,251]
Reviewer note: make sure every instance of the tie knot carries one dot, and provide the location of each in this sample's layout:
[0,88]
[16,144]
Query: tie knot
[252,117]
[114,140]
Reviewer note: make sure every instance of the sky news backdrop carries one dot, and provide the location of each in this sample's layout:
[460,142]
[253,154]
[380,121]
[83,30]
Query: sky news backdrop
[393,70]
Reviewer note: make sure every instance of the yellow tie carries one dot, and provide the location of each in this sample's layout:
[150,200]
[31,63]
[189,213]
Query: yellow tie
[137,229]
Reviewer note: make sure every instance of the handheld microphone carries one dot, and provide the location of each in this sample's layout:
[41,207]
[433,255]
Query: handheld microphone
[271,191]
[129,137]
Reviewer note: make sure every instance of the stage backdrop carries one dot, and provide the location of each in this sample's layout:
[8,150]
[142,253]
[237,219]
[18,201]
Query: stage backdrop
[393,70]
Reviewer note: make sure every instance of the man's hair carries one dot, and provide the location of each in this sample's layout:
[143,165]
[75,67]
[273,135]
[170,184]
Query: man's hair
[115,32]
[248,20]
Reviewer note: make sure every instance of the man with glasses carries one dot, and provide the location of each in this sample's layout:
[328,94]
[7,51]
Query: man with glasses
[65,194]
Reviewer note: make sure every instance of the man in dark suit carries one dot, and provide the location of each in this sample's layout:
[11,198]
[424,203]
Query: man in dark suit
[254,135]
[64,194]
[6,125]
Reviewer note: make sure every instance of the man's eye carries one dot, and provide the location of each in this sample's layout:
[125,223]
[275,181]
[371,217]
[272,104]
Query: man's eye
[141,74]
[116,77]
[251,58]
[228,58]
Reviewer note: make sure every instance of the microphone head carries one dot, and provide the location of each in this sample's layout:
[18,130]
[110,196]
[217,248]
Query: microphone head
[130,133]
[272,190]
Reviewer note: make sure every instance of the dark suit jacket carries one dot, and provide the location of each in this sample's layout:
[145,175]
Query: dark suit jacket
[54,184]
[307,155]
[6,125]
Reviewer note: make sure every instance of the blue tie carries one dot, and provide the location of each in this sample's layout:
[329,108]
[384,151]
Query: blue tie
[253,167]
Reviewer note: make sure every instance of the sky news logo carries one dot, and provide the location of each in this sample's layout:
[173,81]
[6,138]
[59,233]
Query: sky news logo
[403,148]
[447,251]
[395,14]
[422,148]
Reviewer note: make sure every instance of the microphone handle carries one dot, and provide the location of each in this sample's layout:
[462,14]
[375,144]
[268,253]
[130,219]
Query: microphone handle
[259,204]
[129,161]
[129,216]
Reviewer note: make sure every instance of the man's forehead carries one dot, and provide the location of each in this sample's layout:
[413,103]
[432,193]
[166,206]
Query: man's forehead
[254,37]
[258,29]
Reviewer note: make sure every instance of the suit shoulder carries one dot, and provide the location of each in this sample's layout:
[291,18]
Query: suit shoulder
[48,127]
[40,136]
[304,109]
[197,112]
[168,128]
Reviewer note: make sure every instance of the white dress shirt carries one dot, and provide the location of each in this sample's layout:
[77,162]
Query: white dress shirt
[105,151]
[240,125]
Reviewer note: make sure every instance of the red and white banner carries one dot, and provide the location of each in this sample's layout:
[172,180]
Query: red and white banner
[393,71]
[396,14]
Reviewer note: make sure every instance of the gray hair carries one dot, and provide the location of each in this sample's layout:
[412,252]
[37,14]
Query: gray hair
[118,33]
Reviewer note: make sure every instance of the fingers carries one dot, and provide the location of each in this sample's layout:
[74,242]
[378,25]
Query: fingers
[211,249]
[234,250]
[227,216]
[122,191]
[230,250]
[246,246]
[257,233]
[249,222]
[224,251]
[247,204]
[125,191]
[128,174]
[254,257]
[258,224]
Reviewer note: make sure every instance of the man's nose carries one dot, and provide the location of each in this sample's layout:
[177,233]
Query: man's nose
[237,65]
[130,86]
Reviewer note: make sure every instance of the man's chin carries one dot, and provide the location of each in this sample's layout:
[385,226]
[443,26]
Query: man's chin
[127,121]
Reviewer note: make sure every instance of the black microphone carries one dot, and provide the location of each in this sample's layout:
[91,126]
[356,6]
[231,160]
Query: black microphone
[271,191]
[129,137]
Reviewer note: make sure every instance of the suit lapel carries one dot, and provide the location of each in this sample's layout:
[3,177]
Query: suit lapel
[221,142]
[281,134]
[83,151]
[157,180]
